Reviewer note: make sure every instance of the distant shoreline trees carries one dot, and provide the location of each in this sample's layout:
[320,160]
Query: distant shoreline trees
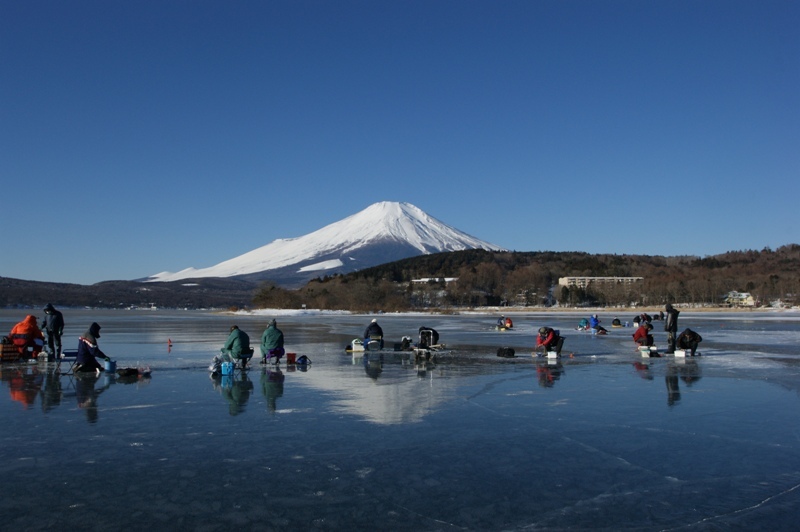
[485,278]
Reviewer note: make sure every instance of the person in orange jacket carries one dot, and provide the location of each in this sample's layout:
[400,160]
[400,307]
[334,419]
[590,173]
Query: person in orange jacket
[27,334]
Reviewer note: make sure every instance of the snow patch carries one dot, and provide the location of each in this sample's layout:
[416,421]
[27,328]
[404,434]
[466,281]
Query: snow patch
[325,265]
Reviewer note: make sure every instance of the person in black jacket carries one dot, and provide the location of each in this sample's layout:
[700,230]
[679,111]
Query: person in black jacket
[54,327]
[689,340]
[373,330]
[428,337]
[671,326]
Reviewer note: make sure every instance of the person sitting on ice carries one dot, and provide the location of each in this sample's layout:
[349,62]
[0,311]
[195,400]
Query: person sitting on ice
[373,330]
[508,323]
[594,324]
[89,351]
[547,340]
[688,340]
[642,336]
[26,334]
[427,337]
[237,346]
[583,325]
[501,322]
[272,343]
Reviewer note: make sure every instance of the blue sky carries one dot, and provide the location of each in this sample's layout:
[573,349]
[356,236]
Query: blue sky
[137,137]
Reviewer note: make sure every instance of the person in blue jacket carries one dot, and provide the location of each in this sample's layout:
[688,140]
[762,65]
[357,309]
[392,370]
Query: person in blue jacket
[594,324]
[89,351]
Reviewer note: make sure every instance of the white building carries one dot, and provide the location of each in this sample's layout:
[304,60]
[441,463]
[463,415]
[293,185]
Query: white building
[583,282]
[739,299]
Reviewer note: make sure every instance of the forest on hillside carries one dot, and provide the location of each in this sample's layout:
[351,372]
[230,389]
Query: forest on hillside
[460,279]
[475,278]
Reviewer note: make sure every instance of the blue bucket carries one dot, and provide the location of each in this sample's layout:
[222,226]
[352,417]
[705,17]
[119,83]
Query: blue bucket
[111,366]
[227,368]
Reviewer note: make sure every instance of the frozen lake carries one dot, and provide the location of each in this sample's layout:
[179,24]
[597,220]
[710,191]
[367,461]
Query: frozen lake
[602,439]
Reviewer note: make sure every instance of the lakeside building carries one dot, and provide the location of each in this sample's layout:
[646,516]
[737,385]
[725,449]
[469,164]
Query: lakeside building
[739,299]
[583,282]
[426,280]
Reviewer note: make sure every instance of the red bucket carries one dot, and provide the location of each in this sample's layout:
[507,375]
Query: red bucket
[290,358]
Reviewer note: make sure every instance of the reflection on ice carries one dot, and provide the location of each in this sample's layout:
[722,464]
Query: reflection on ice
[400,389]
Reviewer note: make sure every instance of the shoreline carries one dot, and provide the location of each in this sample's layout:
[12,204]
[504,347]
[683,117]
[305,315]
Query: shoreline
[494,311]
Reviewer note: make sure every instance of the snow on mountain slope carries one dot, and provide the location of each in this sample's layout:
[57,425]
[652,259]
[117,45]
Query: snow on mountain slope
[379,224]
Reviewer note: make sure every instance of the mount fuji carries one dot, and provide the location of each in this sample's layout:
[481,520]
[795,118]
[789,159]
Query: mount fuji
[383,232]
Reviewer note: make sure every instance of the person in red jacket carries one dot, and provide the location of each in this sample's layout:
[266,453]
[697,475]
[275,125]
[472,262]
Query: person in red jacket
[27,334]
[548,340]
[642,336]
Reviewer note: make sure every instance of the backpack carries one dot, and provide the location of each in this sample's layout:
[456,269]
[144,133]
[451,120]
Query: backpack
[505,352]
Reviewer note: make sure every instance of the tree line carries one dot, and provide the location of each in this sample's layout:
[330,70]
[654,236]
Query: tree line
[486,278]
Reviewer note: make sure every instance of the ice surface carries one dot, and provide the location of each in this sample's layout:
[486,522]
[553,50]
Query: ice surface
[602,439]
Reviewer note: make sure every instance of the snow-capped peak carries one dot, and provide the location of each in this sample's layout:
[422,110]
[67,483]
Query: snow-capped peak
[384,223]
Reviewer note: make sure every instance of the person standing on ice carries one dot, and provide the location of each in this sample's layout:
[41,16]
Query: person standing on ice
[54,326]
[671,326]
[272,344]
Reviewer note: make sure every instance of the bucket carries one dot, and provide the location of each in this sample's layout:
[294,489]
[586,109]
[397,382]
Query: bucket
[227,368]
[291,358]
[111,366]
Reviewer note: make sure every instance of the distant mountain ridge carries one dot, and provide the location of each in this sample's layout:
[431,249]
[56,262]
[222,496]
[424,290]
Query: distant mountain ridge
[383,232]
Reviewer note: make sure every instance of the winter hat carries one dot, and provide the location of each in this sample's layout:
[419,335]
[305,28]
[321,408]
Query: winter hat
[93,333]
